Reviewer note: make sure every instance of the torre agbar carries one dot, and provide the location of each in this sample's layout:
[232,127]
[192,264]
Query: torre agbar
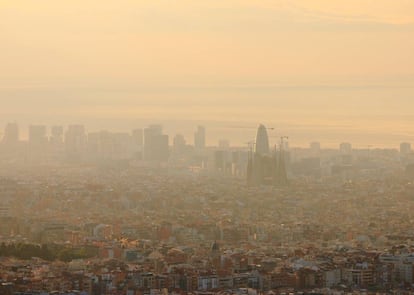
[266,167]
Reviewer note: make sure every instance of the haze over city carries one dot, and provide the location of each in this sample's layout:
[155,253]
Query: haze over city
[209,147]
[322,70]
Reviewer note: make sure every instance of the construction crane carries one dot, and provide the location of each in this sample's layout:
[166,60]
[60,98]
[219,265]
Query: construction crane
[282,140]
[250,145]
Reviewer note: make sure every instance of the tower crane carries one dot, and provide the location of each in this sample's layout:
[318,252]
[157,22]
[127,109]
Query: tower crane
[250,144]
[282,141]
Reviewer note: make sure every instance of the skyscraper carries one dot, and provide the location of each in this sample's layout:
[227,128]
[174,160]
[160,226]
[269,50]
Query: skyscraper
[262,167]
[75,140]
[105,145]
[56,135]
[37,135]
[179,144]
[138,137]
[11,134]
[155,144]
[161,151]
[405,148]
[345,148]
[280,175]
[137,142]
[150,133]
[262,141]
[200,138]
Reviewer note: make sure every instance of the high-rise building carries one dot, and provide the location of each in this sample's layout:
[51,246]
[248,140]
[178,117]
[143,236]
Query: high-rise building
[11,134]
[221,162]
[200,138]
[150,133]
[345,158]
[262,141]
[160,152]
[138,137]
[75,140]
[105,145]
[179,144]
[137,142]
[280,175]
[121,145]
[56,135]
[405,148]
[239,161]
[315,148]
[262,167]
[93,144]
[345,148]
[37,135]
[155,144]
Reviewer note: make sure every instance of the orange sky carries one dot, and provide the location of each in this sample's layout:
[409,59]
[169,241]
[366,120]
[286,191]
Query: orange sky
[286,63]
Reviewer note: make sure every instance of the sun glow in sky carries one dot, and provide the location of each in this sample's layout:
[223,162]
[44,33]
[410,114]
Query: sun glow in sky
[326,70]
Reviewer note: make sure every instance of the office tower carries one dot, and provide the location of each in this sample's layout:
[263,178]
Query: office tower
[315,147]
[179,144]
[280,175]
[345,157]
[93,144]
[220,159]
[262,167]
[262,141]
[105,145]
[200,138]
[160,152]
[155,129]
[120,142]
[37,135]
[155,144]
[56,135]
[137,143]
[75,139]
[249,169]
[256,163]
[138,137]
[345,148]
[11,134]
[258,169]
[405,148]
[239,161]
[150,134]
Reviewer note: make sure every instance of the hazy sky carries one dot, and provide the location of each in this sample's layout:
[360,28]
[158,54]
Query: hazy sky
[326,70]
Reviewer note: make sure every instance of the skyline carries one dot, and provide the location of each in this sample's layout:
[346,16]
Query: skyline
[237,135]
[319,70]
[206,147]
